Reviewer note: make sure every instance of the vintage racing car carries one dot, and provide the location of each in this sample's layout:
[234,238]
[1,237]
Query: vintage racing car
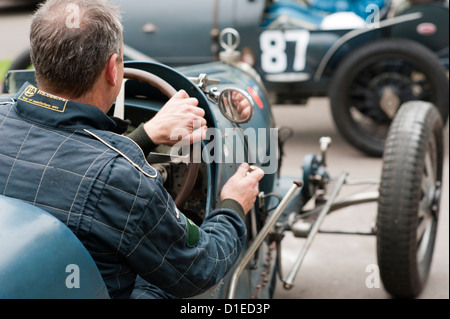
[369,57]
[41,258]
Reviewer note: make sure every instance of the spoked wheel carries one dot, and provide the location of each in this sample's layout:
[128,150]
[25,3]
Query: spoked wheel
[408,205]
[373,81]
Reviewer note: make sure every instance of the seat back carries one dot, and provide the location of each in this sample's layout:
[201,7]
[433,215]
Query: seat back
[41,258]
[360,7]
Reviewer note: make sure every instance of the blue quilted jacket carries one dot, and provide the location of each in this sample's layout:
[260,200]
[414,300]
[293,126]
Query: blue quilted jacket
[62,156]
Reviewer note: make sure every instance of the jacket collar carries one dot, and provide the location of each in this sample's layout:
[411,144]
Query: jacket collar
[40,107]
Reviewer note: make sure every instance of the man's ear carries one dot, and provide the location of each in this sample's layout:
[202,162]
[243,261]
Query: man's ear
[111,70]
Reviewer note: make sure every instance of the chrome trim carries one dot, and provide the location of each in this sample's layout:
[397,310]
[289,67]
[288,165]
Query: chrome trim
[259,239]
[288,283]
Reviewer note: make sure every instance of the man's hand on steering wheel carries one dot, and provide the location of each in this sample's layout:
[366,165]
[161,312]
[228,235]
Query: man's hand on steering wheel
[180,119]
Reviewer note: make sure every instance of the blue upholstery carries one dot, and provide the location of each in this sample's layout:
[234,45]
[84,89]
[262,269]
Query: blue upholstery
[297,14]
[357,6]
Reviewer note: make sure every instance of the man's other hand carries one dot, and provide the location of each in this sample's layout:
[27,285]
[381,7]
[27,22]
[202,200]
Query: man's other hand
[243,186]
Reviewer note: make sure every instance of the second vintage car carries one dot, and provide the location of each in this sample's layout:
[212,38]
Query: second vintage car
[369,57]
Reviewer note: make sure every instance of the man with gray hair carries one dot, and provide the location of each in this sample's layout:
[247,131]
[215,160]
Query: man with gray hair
[61,152]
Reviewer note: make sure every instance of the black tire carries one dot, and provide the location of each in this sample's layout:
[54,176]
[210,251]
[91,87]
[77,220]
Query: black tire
[408,205]
[374,80]
[22,62]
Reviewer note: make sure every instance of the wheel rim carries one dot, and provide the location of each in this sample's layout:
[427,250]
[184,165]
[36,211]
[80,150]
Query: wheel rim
[378,89]
[428,207]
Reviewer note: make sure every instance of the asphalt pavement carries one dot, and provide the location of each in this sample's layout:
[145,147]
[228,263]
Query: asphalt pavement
[336,266]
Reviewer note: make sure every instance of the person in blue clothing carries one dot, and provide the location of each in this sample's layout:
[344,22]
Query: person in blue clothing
[61,152]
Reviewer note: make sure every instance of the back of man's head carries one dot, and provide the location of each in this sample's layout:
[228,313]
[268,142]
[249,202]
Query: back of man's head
[71,43]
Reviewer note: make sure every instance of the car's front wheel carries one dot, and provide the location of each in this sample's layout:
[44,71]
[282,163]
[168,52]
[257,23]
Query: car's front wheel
[408,205]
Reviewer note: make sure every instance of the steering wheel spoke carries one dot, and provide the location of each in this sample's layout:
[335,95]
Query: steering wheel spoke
[169,91]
